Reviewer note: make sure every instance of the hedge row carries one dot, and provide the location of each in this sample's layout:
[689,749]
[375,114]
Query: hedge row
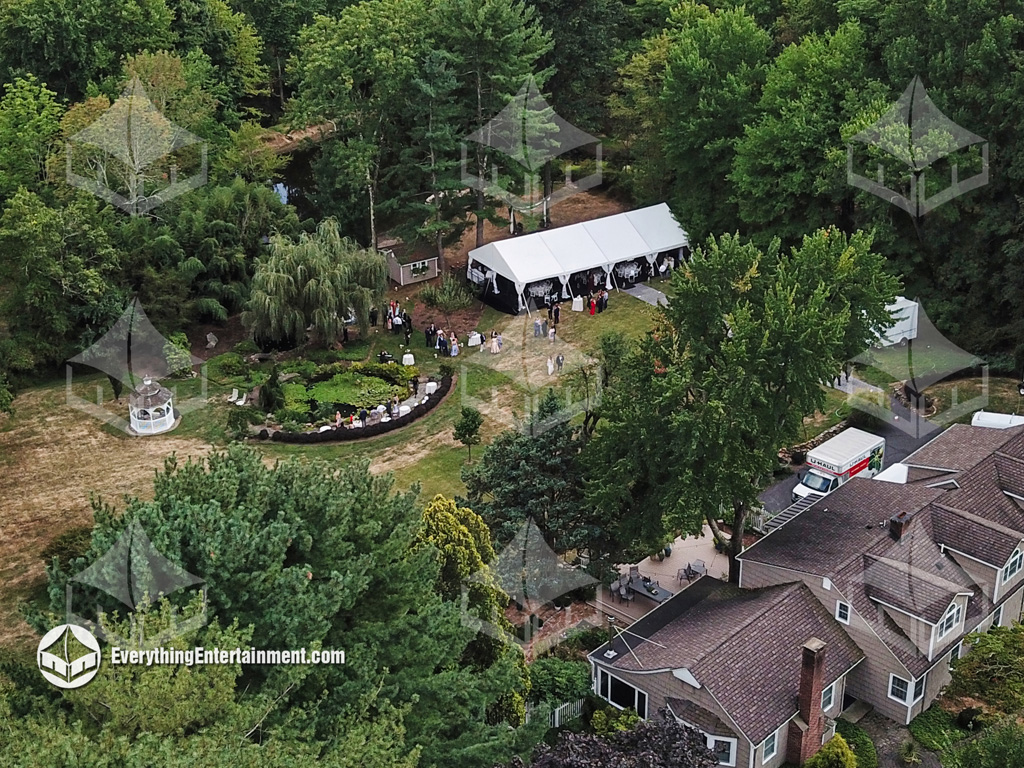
[335,434]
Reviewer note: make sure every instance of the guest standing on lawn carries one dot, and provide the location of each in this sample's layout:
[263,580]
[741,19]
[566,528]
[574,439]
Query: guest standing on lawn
[558,313]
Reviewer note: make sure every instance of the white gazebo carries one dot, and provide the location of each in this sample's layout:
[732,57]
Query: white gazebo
[150,409]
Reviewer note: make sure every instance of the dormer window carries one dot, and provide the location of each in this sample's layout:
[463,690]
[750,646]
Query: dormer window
[950,620]
[1013,567]
[843,612]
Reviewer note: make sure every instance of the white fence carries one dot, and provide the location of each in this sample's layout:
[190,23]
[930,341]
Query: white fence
[561,714]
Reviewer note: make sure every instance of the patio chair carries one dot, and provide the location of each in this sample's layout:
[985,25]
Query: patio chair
[699,568]
[626,594]
[634,572]
[613,588]
[683,573]
[234,395]
[242,401]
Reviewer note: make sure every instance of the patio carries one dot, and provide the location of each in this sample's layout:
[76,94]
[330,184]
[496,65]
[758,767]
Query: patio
[685,551]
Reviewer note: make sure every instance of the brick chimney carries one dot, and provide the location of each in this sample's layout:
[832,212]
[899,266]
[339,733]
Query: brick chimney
[806,730]
[898,525]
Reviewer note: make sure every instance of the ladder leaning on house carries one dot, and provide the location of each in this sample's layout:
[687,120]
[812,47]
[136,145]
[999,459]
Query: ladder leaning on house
[766,522]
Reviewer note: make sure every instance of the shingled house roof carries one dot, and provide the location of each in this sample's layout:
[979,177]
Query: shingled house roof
[743,645]
[962,447]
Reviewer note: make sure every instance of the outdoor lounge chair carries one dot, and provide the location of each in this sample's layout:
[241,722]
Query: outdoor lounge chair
[242,400]
[234,395]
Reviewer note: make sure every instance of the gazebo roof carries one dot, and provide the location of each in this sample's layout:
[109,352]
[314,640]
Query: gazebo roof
[149,394]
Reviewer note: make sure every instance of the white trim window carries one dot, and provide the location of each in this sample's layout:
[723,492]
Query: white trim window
[899,689]
[828,698]
[843,612]
[919,689]
[621,694]
[770,748]
[997,616]
[951,619]
[1013,567]
[724,749]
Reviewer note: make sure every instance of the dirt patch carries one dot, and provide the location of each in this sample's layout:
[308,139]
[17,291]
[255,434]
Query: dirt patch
[228,334]
[55,457]
[888,737]
[413,452]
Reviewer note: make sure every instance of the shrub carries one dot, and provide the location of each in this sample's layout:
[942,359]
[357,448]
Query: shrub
[239,420]
[609,720]
[859,742]
[272,392]
[835,754]
[289,415]
[69,545]
[228,364]
[935,728]
[909,753]
[305,368]
[296,397]
[179,359]
[556,681]
[399,375]
[245,348]
[974,719]
[446,369]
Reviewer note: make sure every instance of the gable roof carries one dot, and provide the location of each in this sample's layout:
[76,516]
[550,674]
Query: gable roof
[743,645]
[962,447]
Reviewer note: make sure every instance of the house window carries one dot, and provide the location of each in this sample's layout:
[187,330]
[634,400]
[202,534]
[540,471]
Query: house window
[724,749]
[955,654]
[770,748]
[997,617]
[1013,567]
[621,694]
[828,698]
[950,620]
[899,689]
[843,612]
[919,689]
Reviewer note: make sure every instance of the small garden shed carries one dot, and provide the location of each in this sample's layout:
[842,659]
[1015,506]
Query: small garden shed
[408,264]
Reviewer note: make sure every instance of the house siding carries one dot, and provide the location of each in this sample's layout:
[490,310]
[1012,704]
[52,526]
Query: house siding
[1013,607]
[919,632]
[983,575]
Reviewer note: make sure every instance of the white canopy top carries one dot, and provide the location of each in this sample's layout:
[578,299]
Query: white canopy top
[563,251]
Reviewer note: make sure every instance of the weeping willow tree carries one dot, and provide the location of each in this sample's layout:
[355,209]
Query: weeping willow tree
[318,281]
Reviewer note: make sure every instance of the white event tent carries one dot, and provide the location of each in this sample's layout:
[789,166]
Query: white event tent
[541,258]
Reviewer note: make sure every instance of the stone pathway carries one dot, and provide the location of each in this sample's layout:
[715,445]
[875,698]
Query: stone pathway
[652,296]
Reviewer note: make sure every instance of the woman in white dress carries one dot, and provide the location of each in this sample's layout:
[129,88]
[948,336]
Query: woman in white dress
[455,346]
[494,343]
[551,367]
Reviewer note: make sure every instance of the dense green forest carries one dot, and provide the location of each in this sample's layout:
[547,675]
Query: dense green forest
[739,115]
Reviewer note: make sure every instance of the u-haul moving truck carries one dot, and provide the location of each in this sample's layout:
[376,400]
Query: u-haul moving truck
[851,452]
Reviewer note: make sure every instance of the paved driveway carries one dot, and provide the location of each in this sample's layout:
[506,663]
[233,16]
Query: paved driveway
[900,442]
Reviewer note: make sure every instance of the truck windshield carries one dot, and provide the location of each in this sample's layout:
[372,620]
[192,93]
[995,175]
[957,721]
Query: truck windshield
[816,482]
